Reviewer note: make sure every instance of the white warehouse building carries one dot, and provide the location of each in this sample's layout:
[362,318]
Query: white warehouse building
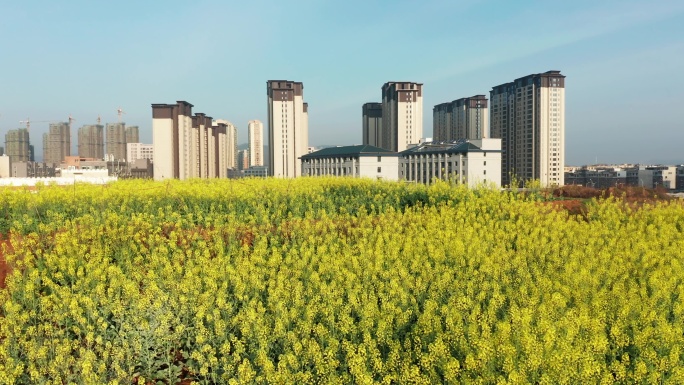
[470,161]
[361,161]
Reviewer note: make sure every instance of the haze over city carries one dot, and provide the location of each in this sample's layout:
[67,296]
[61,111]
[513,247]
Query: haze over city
[622,60]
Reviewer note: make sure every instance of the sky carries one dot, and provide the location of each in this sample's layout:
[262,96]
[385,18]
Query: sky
[623,59]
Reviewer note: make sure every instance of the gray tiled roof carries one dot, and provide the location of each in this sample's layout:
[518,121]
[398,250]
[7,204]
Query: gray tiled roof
[343,151]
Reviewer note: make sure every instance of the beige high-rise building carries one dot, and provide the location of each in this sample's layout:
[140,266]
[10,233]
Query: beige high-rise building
[231,143]
[56,143]
[528,115]
[91,141]
[402,115]
[115,141]
[255,139]
[132,134]
[17,145]
[187,146]
[171,140]
[371,115]
[288,127]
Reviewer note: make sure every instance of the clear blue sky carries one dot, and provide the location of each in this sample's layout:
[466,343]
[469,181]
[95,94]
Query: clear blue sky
[623,59]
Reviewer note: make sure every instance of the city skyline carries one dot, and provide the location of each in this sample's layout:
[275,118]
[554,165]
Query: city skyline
[623,58]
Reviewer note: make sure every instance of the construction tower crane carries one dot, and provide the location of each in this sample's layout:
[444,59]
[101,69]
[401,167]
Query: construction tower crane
[120,112]
[28,122]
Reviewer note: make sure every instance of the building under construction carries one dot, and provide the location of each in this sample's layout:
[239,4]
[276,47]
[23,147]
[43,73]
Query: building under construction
[17,145]
[115,139]
[57,143]
[132,134]
[91,141]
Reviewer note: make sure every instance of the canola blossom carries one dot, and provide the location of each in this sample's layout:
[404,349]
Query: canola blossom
[336,281]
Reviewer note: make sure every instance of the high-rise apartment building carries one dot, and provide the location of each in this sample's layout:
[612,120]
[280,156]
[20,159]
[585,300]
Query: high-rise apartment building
[56,143]
[372,124]
[255,139]
[132,134]
[187,146]
[288,127]
[464,118]
[115,141]
[243,159]
[528,115]
[469,118]
[91,141]
[441,122]
[17,145]
[231,143]
[402,115]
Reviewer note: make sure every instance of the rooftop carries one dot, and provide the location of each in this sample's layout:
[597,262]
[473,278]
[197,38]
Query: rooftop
[340,151]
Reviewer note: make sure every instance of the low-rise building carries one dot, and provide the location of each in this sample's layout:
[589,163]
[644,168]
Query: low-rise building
[31,170]
[470,161]
[360,161]
[256,171]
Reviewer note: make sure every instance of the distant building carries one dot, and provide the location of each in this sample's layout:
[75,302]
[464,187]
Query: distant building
[135,151]
[441,122]
[597,177]
[231,138]
[132,134]
[5,170]
[465,118]
[360,161]
[469,161]
[243,159]
[402,114]
[115,141]
[91,141]
[141,168]
[17,145]
[371,117]
[31,170]
[256,172]
[57,143]
[528,115]
[288,127]
[255,140]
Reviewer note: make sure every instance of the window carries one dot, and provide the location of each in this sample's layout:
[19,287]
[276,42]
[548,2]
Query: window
[485,162]
[379,158]
[379,169]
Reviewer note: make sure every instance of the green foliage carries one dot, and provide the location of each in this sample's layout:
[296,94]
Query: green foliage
[336,281]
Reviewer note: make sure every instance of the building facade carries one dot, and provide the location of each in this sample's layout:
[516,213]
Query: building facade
[528,115]
[361,161]
[136,151]
[57,143]
[91,141]
[255,140]
[115,141]
[17,145]
[288,127]
[371,115]
[468,161]
[402,115]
